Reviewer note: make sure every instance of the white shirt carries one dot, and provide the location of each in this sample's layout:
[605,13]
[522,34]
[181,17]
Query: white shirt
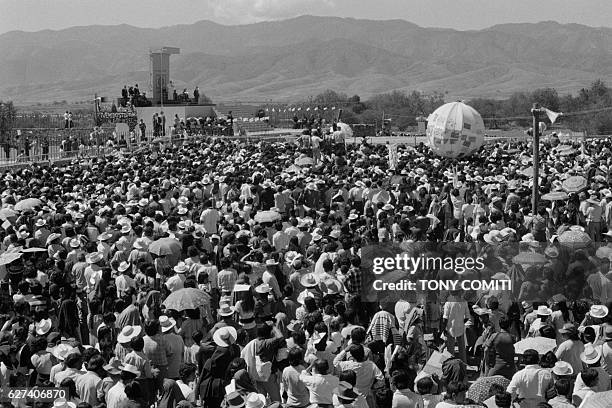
[115,395]
[456,312]
[209,220]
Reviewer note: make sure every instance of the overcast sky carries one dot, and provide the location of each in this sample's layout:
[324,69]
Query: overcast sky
[34,15]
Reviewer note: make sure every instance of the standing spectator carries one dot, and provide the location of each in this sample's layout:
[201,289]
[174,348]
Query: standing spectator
[455,315]
[196,94]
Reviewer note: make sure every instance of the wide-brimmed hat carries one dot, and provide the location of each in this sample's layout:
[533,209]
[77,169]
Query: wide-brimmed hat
[182,210]
[75,243]
[563,368]
[181,268]
[598,311]
[225,336]
[303,295]
[52,237]
[62,403]
[41,222]
[140,244]
[544,310]
[129,368]
[126,229]
[166,323]
[61,351]
[128,333]
[225,309]
[43,327]
[591,354]
[105,236]
[271,262]
[333,286]
[114,367]
[263,288]
[123,266]
[309,280]
[94,257]
[255,400]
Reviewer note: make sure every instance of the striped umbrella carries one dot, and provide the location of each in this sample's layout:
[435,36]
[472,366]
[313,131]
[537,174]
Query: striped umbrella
[555,196]
[574,184]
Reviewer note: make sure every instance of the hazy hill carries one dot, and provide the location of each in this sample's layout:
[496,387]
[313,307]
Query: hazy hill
[300,57]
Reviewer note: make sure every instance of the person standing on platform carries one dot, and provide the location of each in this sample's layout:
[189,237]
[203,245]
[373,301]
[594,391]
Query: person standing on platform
[196,94]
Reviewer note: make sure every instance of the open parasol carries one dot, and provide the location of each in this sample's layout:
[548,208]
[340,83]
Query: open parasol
[540,344]
[267,216]
[381,197]
[599,400]
[165,246]
[574,239]
[555,196]
[28,204]
[574,184]
[479,391]
[8,257]
[7,214]
[529,258]
[187,298]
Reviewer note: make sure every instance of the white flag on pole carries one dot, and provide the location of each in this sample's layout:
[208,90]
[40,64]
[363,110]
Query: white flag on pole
[552,115]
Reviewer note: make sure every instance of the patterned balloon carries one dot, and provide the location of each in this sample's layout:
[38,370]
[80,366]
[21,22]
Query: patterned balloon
[455,130]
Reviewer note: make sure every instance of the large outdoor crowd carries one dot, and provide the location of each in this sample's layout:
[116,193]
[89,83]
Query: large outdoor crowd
[219,273]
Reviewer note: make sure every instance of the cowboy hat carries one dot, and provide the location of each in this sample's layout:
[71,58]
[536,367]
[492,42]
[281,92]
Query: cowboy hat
[333,286]
[166,323]
[62,403]
[114,367]
[128,333]
[61,351]
[123,266]
[43,327]
[126,229]
[263,288]
[94,257]
[255,400]
[568,328]
[543,310]
[598,311]
[182,210]
[129,368]
[52,237]
[181,268]
[225,309]
[309,280]
[590,355]
[41,222]
[105,236]
[345,392]
[563,368]
[140,244]
[75,243]
[225,336]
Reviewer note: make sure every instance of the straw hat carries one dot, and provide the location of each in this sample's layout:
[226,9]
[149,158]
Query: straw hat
[181,268]
[544,310]
[126,229]
[562,368]
[140,244]
[568,328]
[75,243]
[263,288]
[309,280]
[43,327]
[62,403]
[303,295]
[591,354]
[61,351]
[123,266]
[166,323]
[225,336]
[598,311]
[128,333]
[129,368]
[225,309]
[94,257]
[255,400]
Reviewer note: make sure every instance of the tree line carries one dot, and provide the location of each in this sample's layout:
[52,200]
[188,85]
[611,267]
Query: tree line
[402,108]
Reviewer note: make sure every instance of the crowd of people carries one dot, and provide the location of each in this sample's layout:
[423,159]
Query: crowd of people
[217,273]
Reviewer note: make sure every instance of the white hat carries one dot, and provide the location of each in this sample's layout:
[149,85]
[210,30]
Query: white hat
[563,368]
[309,280]
[123,266]
[181,268]
[126,229]
[166,323]
[255,400]
[129,368]
[263,288]
[62,403]
[225,309]
[591,354]
[271,262]
[544,310]
[303,295]
[61,351]
[598,311]
[128,333]
[225,336]
[41,222]
[182,210]
[43,327]
[94,257]
[75,243]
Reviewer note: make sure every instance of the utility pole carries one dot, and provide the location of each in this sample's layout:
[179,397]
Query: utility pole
[535,112]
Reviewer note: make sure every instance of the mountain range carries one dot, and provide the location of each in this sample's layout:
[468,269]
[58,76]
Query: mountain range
[293,59]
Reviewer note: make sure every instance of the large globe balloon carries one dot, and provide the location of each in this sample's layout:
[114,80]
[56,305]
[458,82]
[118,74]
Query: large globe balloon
[455,130]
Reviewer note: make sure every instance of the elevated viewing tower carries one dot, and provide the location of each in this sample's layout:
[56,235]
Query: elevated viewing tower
[160,72]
